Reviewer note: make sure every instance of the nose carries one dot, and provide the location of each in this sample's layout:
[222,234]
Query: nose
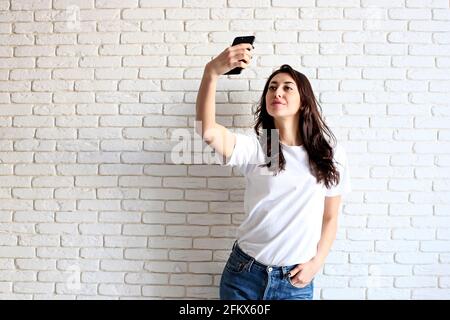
[278,93]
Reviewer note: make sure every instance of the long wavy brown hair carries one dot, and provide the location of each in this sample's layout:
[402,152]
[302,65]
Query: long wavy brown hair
[315,134]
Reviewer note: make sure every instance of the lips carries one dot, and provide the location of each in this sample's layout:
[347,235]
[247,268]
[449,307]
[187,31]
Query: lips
[277,102]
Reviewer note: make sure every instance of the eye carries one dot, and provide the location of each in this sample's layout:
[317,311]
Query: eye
[289,88]
[272,87]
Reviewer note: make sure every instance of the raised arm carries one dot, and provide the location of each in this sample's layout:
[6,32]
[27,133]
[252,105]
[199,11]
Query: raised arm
[217,136]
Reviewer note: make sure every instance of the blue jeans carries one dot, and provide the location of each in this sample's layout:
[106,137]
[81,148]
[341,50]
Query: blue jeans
[244,278]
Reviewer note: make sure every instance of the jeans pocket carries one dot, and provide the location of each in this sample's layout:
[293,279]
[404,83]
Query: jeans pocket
[235,265]
[296,286]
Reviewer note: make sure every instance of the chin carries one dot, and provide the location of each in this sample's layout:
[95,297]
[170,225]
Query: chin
[272,114]
[277,113]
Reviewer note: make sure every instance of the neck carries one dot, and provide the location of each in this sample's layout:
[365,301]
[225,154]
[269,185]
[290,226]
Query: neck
[289,132]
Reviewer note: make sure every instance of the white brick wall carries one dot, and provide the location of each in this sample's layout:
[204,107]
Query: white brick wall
[92,92]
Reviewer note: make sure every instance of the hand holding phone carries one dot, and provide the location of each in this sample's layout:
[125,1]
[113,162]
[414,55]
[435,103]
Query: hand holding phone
[236,41]
[233,59]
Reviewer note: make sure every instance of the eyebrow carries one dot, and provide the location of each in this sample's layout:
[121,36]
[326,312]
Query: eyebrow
[274,82]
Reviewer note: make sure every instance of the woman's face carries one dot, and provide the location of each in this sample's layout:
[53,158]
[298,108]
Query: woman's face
[282,97]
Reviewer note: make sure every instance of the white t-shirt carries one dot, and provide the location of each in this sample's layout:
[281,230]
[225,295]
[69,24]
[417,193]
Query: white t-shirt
[283,220]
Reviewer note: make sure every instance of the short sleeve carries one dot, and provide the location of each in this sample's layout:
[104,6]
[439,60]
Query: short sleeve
[344,186]
[246,152]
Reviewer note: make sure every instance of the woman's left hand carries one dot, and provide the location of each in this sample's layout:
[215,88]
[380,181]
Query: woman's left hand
[303,273]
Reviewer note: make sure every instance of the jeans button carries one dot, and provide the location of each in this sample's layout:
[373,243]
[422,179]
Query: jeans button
[269,269]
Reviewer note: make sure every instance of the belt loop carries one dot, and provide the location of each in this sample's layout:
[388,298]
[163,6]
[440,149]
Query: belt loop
[234,244]
[249,264]
[285,271]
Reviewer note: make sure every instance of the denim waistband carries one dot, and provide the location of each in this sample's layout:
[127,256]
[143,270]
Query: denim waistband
[284,269]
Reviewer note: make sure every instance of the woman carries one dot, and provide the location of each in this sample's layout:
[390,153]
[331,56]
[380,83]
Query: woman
[295,176]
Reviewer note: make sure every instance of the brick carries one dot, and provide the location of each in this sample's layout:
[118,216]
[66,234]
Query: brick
[347,293]
[102,277]
[36,264]
[94,205]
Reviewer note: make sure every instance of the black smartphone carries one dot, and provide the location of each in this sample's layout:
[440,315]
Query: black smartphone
[239,40]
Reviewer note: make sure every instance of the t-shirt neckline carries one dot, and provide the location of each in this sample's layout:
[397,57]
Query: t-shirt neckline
[284,145]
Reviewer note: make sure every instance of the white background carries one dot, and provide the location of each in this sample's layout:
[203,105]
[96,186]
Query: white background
[91,92]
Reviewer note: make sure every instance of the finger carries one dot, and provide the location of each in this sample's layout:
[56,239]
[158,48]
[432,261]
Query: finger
[244,55]
[298,282]
[303,281]
[296,270]
[243,47]
[247,51]
[244,59]
[243,64]
[247,46]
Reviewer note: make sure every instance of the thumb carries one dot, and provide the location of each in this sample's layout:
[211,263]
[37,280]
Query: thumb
[294,271]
